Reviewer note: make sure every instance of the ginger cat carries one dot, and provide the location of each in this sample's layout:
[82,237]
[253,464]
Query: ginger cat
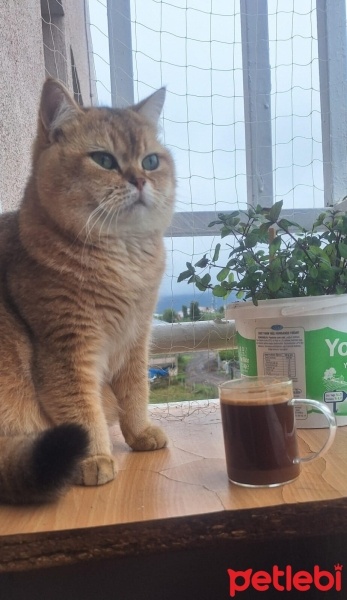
[80,265]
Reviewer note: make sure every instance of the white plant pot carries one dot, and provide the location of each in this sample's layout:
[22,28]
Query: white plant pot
[303,338]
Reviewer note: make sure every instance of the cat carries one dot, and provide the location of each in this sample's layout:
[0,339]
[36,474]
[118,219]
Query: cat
[80,265]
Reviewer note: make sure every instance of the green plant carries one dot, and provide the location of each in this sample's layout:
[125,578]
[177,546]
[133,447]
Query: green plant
[231,354]
[194,311]
[181,392]
[169,315]
[271,257]
[183,361]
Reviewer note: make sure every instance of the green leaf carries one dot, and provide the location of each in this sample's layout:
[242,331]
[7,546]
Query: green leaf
[200,286]
[312,240]
[285,224]
[184,275]
[275,264]
[240,294]
[344,221]
[220,292]
[343,250]
[274,282]
[290,275]
[275,211]
[320,219]
[216,253]
[324,265]
[232,262]
[231,277]
[250,212]
[313,271]
[314,251]
[223,274]
[190,267]
[275,245]
[252,239]
[233,222]
[205,280]
[264,227]
[225,231]
[202,262]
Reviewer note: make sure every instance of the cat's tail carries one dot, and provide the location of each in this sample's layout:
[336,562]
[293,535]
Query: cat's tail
[36,469]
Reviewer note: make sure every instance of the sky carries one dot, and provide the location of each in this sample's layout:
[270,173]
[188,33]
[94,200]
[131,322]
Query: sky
[194,48]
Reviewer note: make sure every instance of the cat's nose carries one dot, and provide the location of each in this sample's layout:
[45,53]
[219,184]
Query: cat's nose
[138,182]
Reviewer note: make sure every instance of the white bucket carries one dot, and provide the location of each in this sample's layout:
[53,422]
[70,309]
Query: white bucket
[303,338]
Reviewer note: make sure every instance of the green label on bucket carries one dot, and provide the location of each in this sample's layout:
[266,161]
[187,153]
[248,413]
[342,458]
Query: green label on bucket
[326,367]
[247,356]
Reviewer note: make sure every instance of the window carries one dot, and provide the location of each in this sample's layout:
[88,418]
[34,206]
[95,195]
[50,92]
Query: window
[255,108]
[75,81]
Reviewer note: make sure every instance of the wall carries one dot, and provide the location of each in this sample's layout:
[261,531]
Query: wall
[21,76]
[32,47]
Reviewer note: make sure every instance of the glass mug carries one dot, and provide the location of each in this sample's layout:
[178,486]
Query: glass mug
[259,431]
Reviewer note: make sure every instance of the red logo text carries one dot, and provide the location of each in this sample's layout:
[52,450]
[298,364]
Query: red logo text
[285,580]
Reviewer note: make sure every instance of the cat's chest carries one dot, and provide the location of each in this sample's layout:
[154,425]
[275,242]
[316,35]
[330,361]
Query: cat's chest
[125,290]
[130,270]
[124,326]
[124,287]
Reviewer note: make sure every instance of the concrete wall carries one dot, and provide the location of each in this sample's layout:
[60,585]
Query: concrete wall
[21,76]
[31,47]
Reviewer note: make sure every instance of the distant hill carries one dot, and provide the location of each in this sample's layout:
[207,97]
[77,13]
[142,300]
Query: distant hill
[177,301]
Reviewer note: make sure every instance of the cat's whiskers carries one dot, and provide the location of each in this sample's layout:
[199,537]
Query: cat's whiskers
[93,219]
[103,207]
[118,210]
[112,207]
[95,215]
[108,210]
[115,213]
[107,217]
[120,206]
[88,227]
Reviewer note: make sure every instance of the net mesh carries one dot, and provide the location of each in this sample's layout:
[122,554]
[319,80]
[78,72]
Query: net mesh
[194,47]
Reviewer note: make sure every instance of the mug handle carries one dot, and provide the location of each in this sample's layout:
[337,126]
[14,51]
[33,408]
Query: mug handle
[331,422]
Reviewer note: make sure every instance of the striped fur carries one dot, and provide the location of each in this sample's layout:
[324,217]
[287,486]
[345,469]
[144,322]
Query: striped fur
[80,265]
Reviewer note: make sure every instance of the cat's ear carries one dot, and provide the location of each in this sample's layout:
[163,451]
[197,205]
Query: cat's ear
[56,105]
[152,106]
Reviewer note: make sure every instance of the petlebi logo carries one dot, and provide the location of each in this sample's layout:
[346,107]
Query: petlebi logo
[286,580]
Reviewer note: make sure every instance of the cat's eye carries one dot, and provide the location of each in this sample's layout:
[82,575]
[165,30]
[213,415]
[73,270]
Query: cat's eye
[105,160]
[151,162]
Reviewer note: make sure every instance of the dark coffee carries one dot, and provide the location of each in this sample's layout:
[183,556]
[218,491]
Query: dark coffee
[260,442]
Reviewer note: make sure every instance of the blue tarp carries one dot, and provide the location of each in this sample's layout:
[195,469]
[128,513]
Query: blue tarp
[154,373]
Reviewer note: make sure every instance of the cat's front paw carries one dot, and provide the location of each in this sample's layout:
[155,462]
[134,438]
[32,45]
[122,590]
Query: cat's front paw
[152,438]
[96,470]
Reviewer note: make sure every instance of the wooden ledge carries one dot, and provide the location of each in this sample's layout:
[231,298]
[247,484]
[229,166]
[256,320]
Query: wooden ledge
[179,499]
[271,524]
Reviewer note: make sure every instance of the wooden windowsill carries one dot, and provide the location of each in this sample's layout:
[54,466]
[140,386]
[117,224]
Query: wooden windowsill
[162,495]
